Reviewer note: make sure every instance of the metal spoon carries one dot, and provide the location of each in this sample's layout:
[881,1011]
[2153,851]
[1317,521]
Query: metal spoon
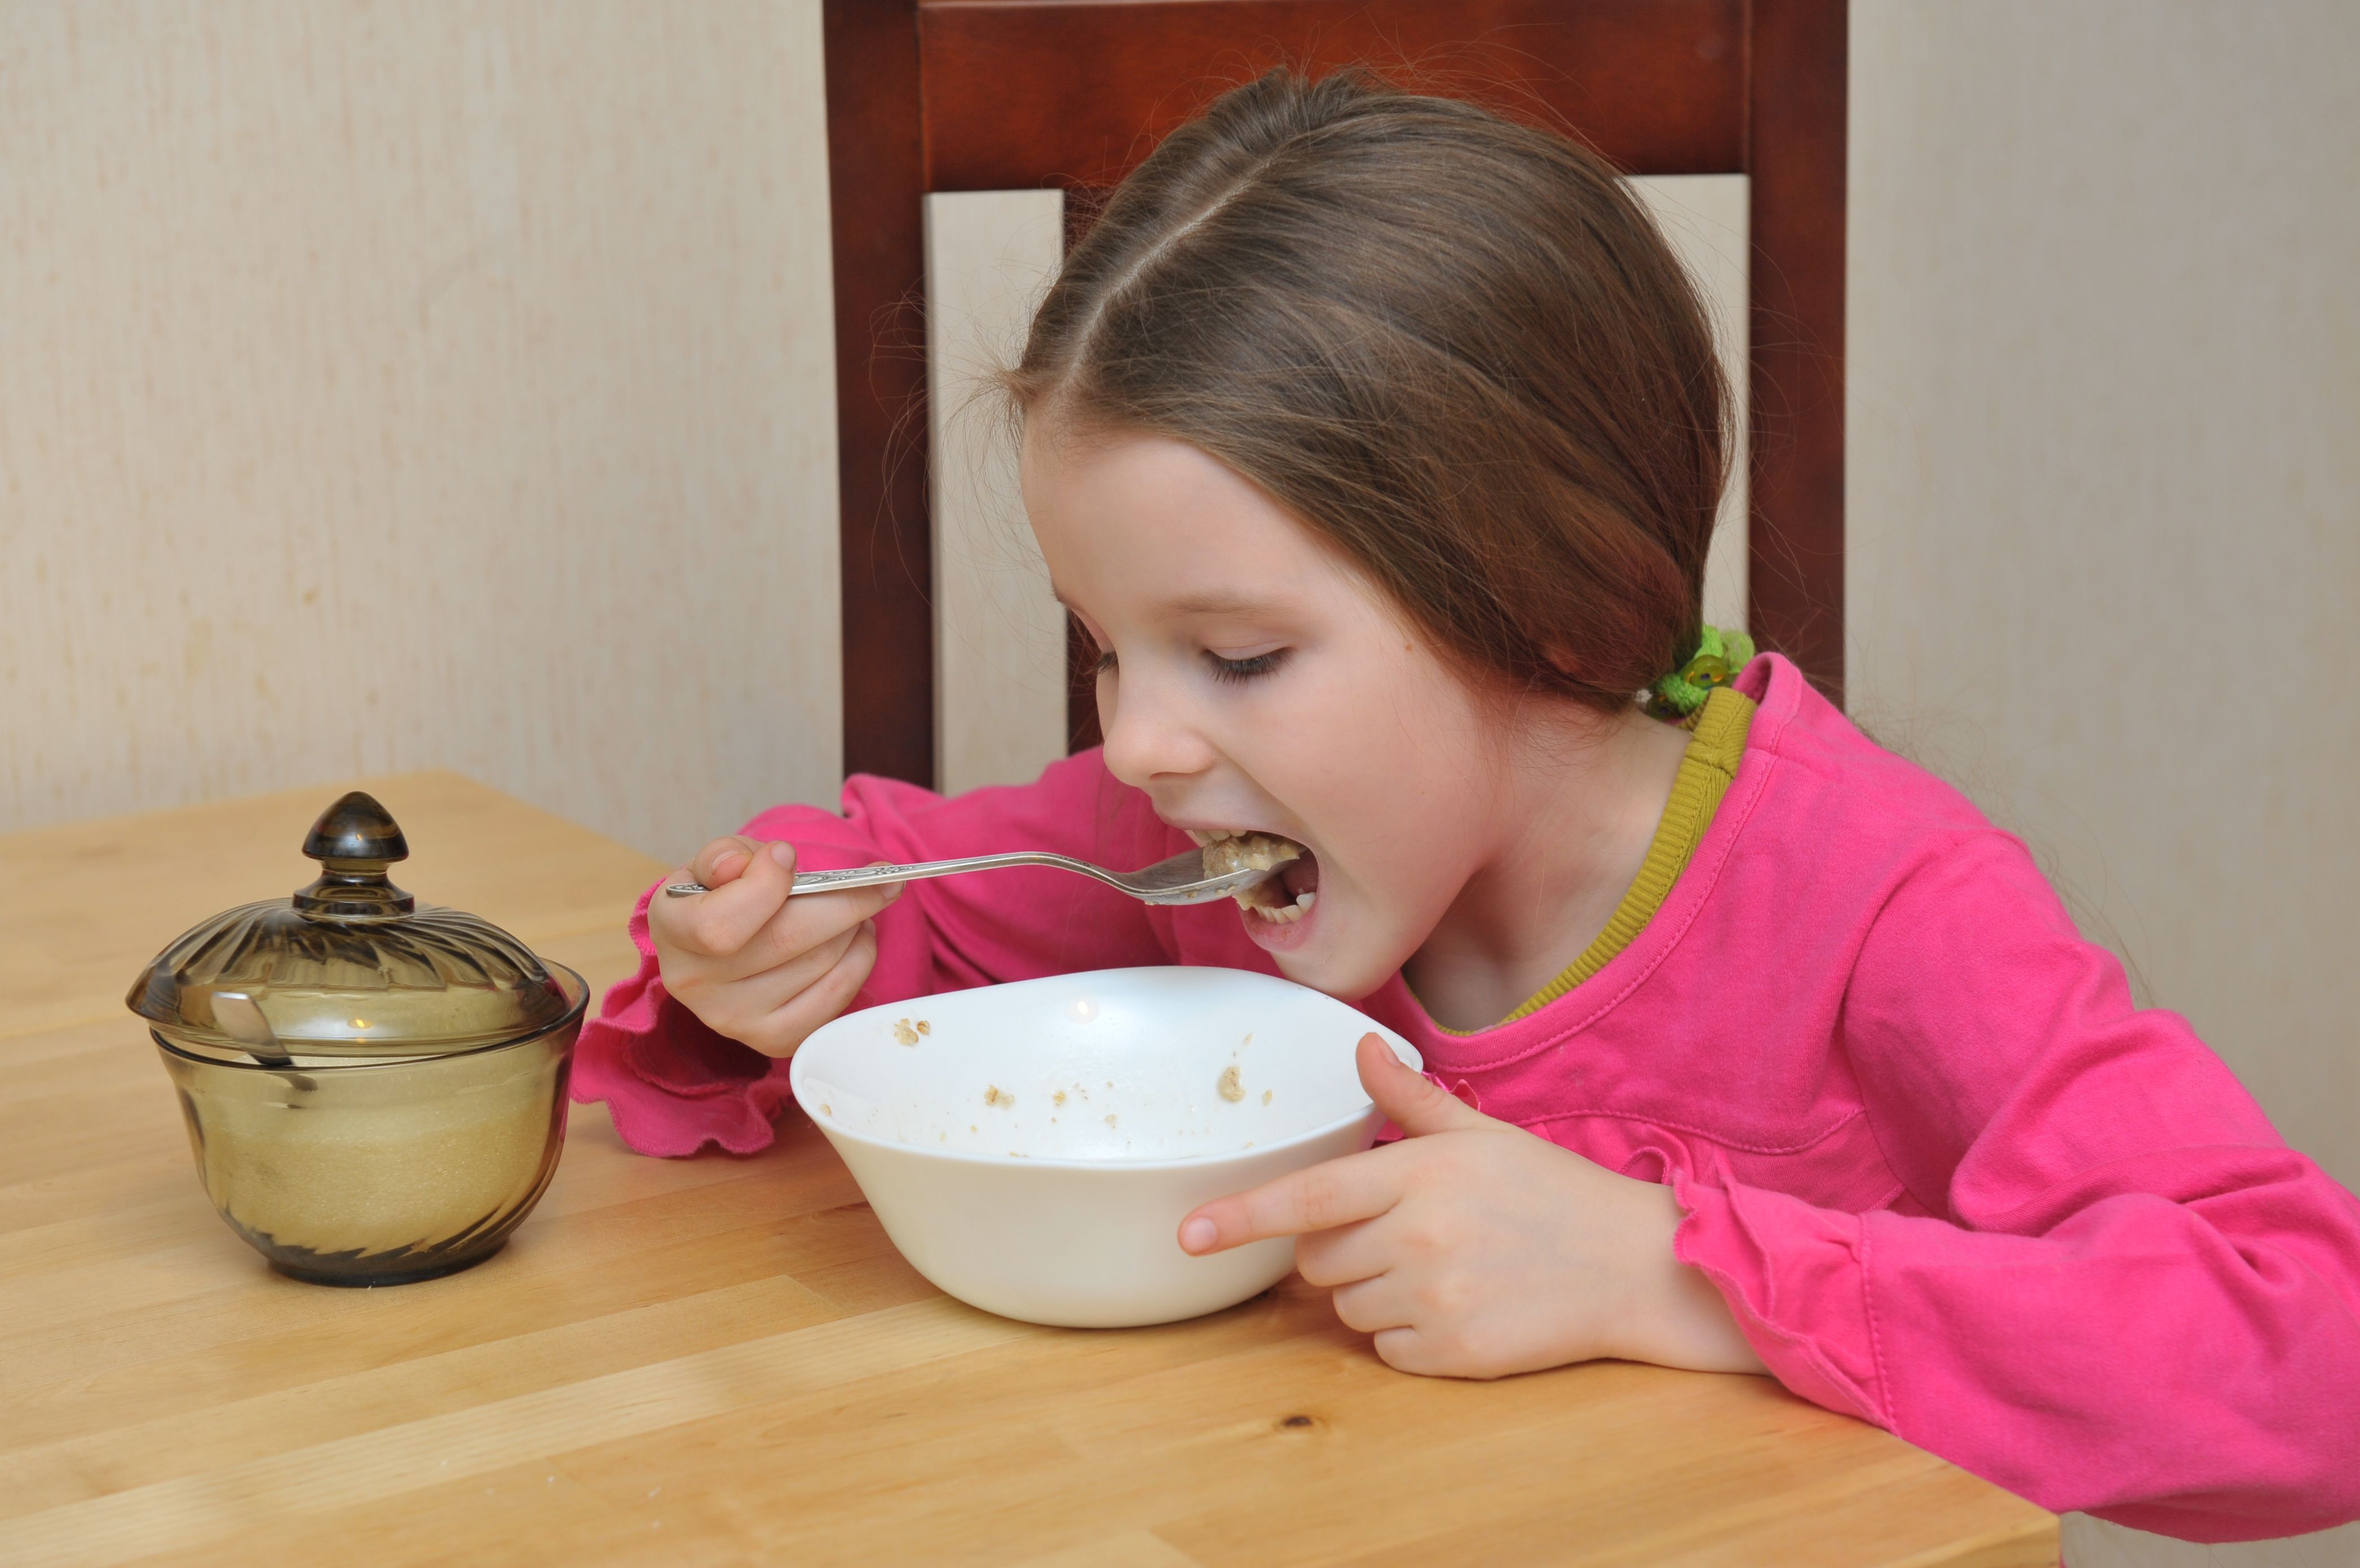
[235,1014]
[1180,879]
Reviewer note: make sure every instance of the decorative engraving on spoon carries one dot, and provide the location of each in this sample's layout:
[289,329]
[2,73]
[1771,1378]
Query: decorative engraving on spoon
[1180,879]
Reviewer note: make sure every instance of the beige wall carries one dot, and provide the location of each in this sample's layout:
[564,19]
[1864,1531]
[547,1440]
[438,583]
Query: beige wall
[2104,498]
[1000,633]
[1704,217]
[441,384]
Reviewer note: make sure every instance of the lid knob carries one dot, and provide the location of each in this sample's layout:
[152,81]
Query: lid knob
[355,840]
[356,828]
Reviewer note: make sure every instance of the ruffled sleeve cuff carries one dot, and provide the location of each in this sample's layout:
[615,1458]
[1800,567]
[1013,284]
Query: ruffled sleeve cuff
[672,1084]
[1796,1278]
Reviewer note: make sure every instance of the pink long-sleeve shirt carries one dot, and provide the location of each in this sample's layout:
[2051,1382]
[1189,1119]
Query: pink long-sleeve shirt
[1949,1178]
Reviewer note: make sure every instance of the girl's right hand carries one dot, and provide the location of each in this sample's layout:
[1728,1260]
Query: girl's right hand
[753,964]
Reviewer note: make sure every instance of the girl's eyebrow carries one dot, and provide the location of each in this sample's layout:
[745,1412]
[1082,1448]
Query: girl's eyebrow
[1207,603]
[1214,603]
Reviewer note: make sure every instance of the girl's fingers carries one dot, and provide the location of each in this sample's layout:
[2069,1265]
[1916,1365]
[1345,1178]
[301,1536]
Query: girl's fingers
[1342,1255]
[730,1005]
[782,1030]
[1410,1100]
[724,859]
[1374,1306]
[718,924]
[801,923]
[1319,1198]
[1383,1307]
[1407,1349]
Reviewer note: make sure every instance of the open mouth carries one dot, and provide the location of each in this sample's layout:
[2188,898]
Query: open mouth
[1282,899]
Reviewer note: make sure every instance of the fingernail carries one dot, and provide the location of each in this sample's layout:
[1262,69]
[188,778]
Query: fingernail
[1196,1234]
[783,854]
[723,862]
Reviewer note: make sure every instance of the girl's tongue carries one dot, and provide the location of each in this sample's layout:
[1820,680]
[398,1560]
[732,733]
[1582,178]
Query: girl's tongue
[1289,893]
[1300,875]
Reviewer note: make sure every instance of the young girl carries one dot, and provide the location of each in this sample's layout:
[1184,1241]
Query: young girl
[1377,442]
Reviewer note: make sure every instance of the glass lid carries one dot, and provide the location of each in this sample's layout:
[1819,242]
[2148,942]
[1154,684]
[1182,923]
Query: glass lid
[351,966]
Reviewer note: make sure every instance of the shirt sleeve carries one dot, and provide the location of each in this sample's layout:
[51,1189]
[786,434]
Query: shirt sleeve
[2121,1292]
[673,1086]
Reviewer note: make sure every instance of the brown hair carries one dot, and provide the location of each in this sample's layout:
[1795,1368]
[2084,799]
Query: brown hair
[1454,346]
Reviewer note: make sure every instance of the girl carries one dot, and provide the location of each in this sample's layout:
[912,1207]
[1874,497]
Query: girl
[1377,441]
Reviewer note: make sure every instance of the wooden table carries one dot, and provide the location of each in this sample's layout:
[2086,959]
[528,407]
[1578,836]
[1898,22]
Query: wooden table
[723,1360]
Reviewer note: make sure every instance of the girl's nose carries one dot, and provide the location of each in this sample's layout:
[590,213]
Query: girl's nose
[1147,734]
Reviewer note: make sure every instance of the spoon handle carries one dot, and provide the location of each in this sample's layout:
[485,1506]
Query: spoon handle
[872,876]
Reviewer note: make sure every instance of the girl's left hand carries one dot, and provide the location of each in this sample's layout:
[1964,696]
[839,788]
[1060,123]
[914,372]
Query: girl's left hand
[1472,1248]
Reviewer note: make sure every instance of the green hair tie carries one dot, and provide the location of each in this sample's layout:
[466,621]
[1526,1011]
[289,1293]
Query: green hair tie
[1719,657]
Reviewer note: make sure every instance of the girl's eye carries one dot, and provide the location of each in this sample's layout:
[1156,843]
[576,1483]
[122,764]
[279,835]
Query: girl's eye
[1105,664]
[1245,669]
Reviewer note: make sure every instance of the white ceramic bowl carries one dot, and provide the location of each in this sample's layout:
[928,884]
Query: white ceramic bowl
[1032,1147]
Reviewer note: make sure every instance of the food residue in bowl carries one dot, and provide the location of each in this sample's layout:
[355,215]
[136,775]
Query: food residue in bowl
[995,1095]
[1109,1118]
[902,1034]
[1265,1096]
[1231,1089]
[924,1027]
[1058,1098]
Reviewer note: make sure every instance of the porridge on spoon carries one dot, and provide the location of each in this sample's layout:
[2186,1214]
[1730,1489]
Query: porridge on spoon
[1285,898]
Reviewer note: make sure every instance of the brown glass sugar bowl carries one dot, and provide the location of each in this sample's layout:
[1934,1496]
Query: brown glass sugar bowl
[375,1089]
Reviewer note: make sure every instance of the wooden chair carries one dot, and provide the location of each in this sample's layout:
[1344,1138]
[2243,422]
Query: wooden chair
[946,95]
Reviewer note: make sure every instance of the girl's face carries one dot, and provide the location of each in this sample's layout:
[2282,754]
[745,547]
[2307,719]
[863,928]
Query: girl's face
[1252,680]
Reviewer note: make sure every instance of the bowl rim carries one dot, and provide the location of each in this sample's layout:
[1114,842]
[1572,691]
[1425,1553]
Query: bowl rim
[834,1129]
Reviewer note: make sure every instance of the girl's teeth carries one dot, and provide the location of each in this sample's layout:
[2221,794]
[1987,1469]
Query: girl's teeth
[1288,914]
[1205,836]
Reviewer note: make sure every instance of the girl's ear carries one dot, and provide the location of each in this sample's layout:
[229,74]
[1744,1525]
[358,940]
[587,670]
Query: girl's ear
[1566,667]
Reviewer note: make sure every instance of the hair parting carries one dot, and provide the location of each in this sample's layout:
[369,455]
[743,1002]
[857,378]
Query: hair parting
[1453,346]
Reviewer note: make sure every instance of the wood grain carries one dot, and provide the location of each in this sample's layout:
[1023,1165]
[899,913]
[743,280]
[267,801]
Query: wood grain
[1076,92]
[723,1360]
[1796,155]
[875,182]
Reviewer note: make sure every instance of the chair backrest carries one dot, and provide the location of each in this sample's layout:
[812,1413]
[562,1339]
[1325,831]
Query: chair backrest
[946,95]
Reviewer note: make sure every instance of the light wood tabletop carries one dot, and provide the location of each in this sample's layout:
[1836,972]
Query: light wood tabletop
[723,1360]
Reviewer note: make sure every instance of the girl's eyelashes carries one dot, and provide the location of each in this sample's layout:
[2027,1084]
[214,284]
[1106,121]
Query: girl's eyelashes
[1226,670]
[1233,670]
